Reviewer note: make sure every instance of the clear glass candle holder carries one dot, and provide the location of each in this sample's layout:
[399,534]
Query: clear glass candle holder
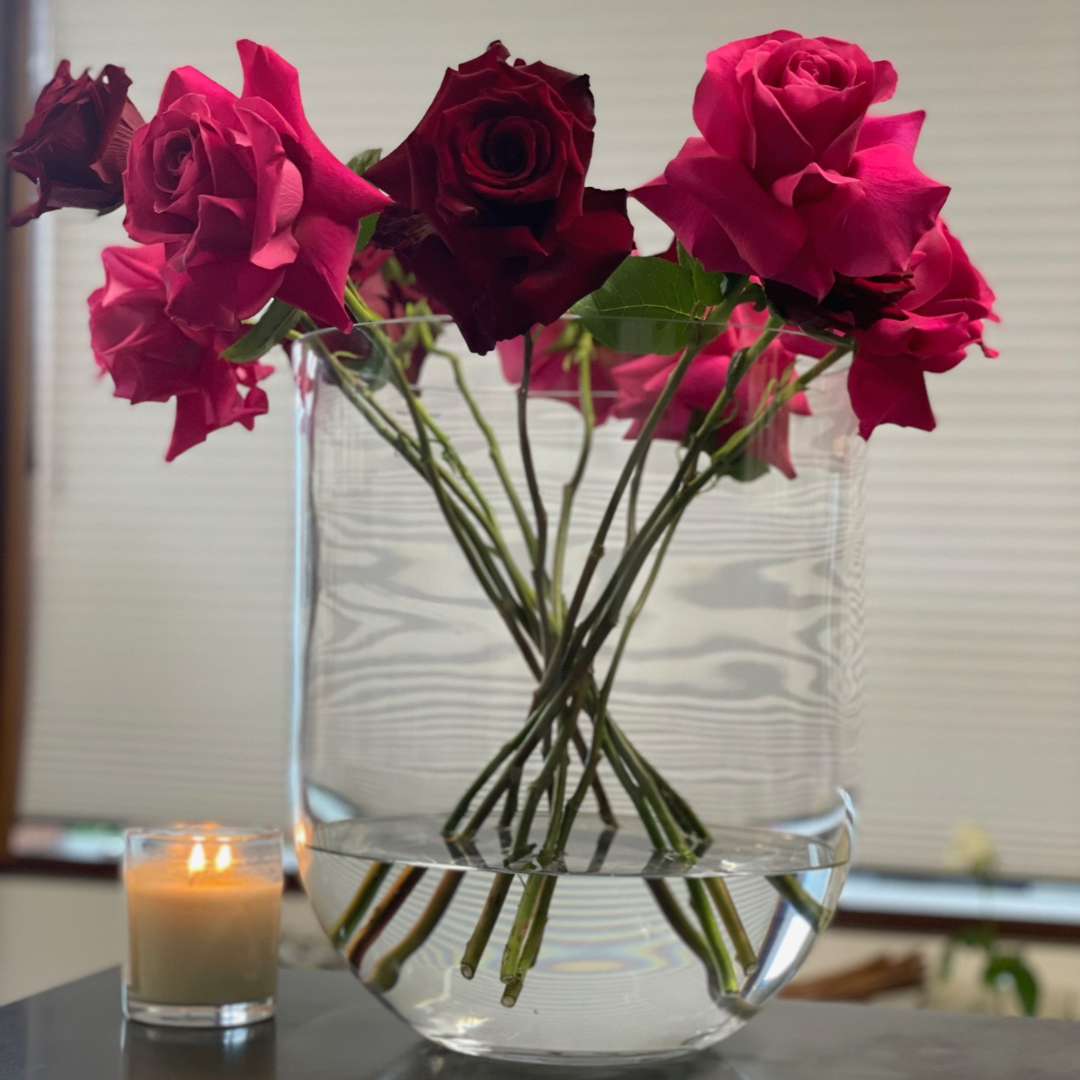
[204,918]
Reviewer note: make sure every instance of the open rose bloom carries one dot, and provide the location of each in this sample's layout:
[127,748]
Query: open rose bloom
[810,288]
[797,184]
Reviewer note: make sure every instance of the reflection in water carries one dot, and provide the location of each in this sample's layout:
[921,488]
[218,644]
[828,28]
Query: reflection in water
[246,1053]
[429,1062]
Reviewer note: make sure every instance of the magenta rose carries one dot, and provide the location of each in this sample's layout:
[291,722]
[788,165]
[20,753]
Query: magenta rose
[790,180]
[75,145]
[944,313]
[640,383]
[246,199]
[152,358]
[555,373]
[492,213]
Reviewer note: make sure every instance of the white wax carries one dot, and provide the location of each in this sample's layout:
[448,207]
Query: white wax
[202,939]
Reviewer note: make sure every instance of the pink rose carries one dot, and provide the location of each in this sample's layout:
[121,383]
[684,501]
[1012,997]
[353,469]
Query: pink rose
[944,316]
[248,202]
[75,145]
[555,372]
[152,358]
[791,181]
[640,383]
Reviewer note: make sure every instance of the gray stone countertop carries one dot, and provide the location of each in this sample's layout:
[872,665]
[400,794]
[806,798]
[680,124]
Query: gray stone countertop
[329,1028]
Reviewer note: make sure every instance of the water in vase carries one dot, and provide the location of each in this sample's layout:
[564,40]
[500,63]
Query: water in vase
[622,967]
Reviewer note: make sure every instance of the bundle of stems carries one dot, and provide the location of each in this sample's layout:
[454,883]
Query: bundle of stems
[559,641]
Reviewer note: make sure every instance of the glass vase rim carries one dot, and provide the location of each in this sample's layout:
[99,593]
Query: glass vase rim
[630,320]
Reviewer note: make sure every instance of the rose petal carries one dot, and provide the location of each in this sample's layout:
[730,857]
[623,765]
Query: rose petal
[889,391]
[765,234]
[878,232]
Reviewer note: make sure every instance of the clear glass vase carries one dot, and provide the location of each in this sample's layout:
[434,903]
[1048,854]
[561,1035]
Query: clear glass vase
[734,705]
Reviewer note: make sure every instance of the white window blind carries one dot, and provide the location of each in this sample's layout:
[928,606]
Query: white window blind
[161,618]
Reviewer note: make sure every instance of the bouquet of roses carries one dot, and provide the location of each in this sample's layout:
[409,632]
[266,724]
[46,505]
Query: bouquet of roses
[793,209]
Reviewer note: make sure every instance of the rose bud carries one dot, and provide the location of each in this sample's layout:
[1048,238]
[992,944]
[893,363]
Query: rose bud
[75,145]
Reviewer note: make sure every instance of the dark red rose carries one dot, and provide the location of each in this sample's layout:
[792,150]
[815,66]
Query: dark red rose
[152,358]
[850,303]
[944,316]
[75,145]
[492,213]
[247,200]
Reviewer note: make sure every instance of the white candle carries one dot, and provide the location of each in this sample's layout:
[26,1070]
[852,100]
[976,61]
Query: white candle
[204,920]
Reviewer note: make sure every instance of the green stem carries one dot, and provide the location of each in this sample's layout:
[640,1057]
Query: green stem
[485,514]
[539,510]
[790,889]
[603,806]
[681,925]
[530,948]
[635,491]
[656,837]
[637,453]
[714,941]
[584,355]
[384,975]
[515,942]
[474,950]
[383,915]
[721,897]
[494,452]
[554,768]
[350,918]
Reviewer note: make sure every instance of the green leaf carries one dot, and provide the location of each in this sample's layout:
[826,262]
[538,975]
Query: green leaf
[278,320]
[372,361]
[363,161]
[709,288]
[367,231]
[1027,989]
[646,306]
[755,295]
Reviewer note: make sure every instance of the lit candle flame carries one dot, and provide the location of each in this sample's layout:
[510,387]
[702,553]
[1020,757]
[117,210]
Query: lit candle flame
[196,863]
[223,859]
[300,835]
